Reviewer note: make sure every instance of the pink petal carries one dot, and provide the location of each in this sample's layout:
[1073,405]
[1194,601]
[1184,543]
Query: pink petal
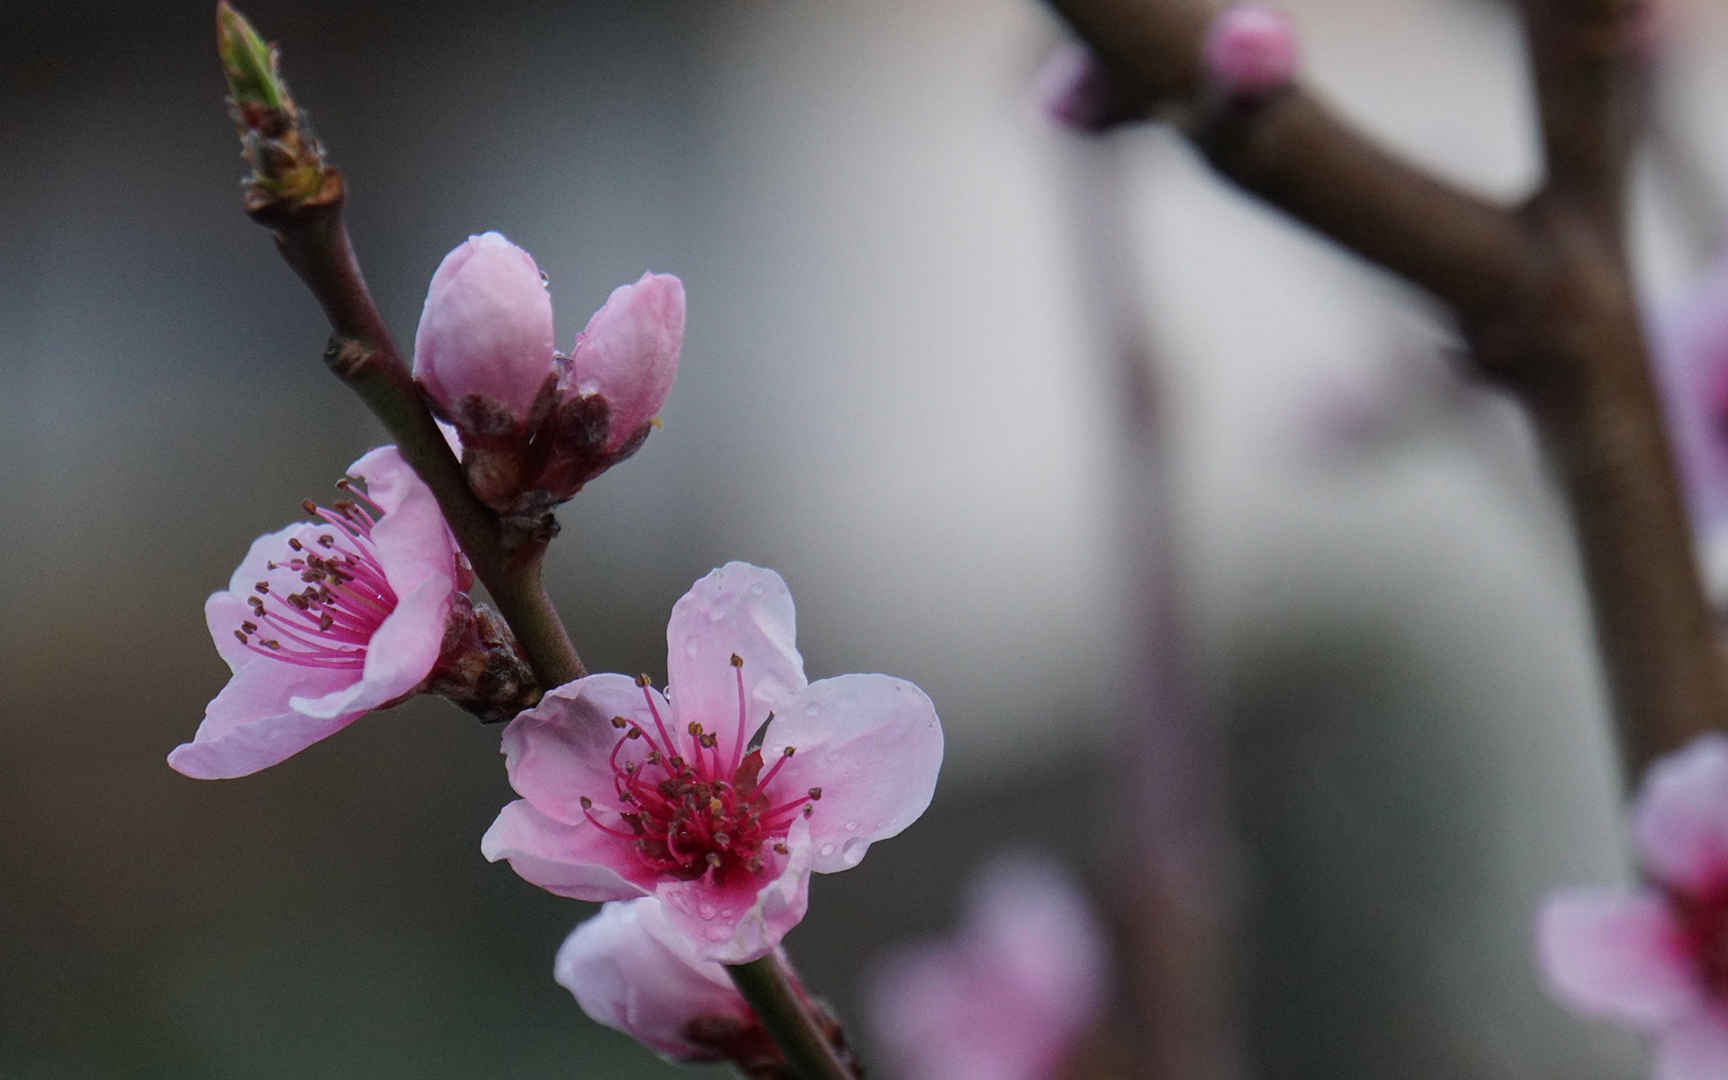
[1042,942]
[872,743]
[628,353]
[419,557]
[745,921]
[738,609]
[1680,821]
[486,328]
[1694,1050]
[560,751]
[1616,955]
[250,725]
[630,970]
[578,861]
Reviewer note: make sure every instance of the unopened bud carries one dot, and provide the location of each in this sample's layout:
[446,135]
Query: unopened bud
[627,356]
[484,349]
[1074,90]
[287,162]
[1251,51]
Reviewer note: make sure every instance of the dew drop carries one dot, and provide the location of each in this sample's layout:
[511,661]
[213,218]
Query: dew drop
[854,850]
[851,826]
[826,850]
[757,589]
[716,613]
[691,648]
[545,280]
[812,711]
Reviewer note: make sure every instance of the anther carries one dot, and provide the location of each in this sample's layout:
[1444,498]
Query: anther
[620,723]
[815,793]
[271,643]
[636,733]
[249,626]
[240,636]
[737,661]
[694,729]
[715,806]
[587,803]
[327,540]
[714,859]
[294,542]
[643,680]
[780,849]
[753,864]
[808,809]
[263,587]
[789,751]
[309,506]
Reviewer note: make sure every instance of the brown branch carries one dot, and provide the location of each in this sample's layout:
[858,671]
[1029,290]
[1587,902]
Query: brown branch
[1542,292]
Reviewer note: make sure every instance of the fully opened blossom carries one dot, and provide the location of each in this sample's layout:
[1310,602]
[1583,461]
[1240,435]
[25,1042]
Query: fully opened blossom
[1657,958]
[1009,996]
[723,799]
[326,620]
[630,969]
[537,425]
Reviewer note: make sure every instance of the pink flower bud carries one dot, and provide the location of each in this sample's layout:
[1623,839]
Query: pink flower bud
[1251,50]
[1076,92]
[484,348]
[628,355]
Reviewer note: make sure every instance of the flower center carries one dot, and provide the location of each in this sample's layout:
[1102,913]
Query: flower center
[322,602]
[690,811]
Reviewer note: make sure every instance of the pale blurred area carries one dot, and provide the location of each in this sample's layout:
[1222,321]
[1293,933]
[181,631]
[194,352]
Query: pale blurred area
[892,394]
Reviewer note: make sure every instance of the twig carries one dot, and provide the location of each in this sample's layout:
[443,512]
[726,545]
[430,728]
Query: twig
[1541,291]
[787,1019]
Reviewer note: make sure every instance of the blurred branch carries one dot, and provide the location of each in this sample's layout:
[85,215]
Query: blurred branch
[1542,292]
[1173,903]
[295,194]
[782,1010]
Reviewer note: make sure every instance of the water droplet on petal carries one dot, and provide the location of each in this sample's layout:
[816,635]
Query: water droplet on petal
[851,826]
[854,850]
[826,850]
[716,613]
[691,648]
[757,589]
[812,711]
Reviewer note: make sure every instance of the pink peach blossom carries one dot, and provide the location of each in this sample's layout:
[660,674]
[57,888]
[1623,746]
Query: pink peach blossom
[628,354]
[1250,50]
[1009,996]
[630,969]
[484,347]
[325,621]
[1657,958]
[627,794]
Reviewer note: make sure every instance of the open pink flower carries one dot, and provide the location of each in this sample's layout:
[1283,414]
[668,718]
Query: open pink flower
[327,620]
[632,970]
[625,794]
[1689,340]
[1009,996]
[1657,958]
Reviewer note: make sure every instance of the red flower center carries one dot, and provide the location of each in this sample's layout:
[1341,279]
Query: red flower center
[344,598]
[688,810]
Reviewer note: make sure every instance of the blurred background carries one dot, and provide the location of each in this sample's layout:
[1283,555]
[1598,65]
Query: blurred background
[896,392]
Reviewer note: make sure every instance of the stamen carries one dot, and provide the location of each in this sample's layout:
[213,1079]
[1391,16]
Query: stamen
[785,756]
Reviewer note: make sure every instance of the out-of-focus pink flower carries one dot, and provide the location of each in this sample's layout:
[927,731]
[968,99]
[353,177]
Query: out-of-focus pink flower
[627,355]
[625,794]
[1076,92]
[1009,996]
[327,620]
[632,970]
[1657,958]
[1690,342]
[1250,50]
[484,349]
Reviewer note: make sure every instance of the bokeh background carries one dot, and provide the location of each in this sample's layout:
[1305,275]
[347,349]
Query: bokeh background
[895,391]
